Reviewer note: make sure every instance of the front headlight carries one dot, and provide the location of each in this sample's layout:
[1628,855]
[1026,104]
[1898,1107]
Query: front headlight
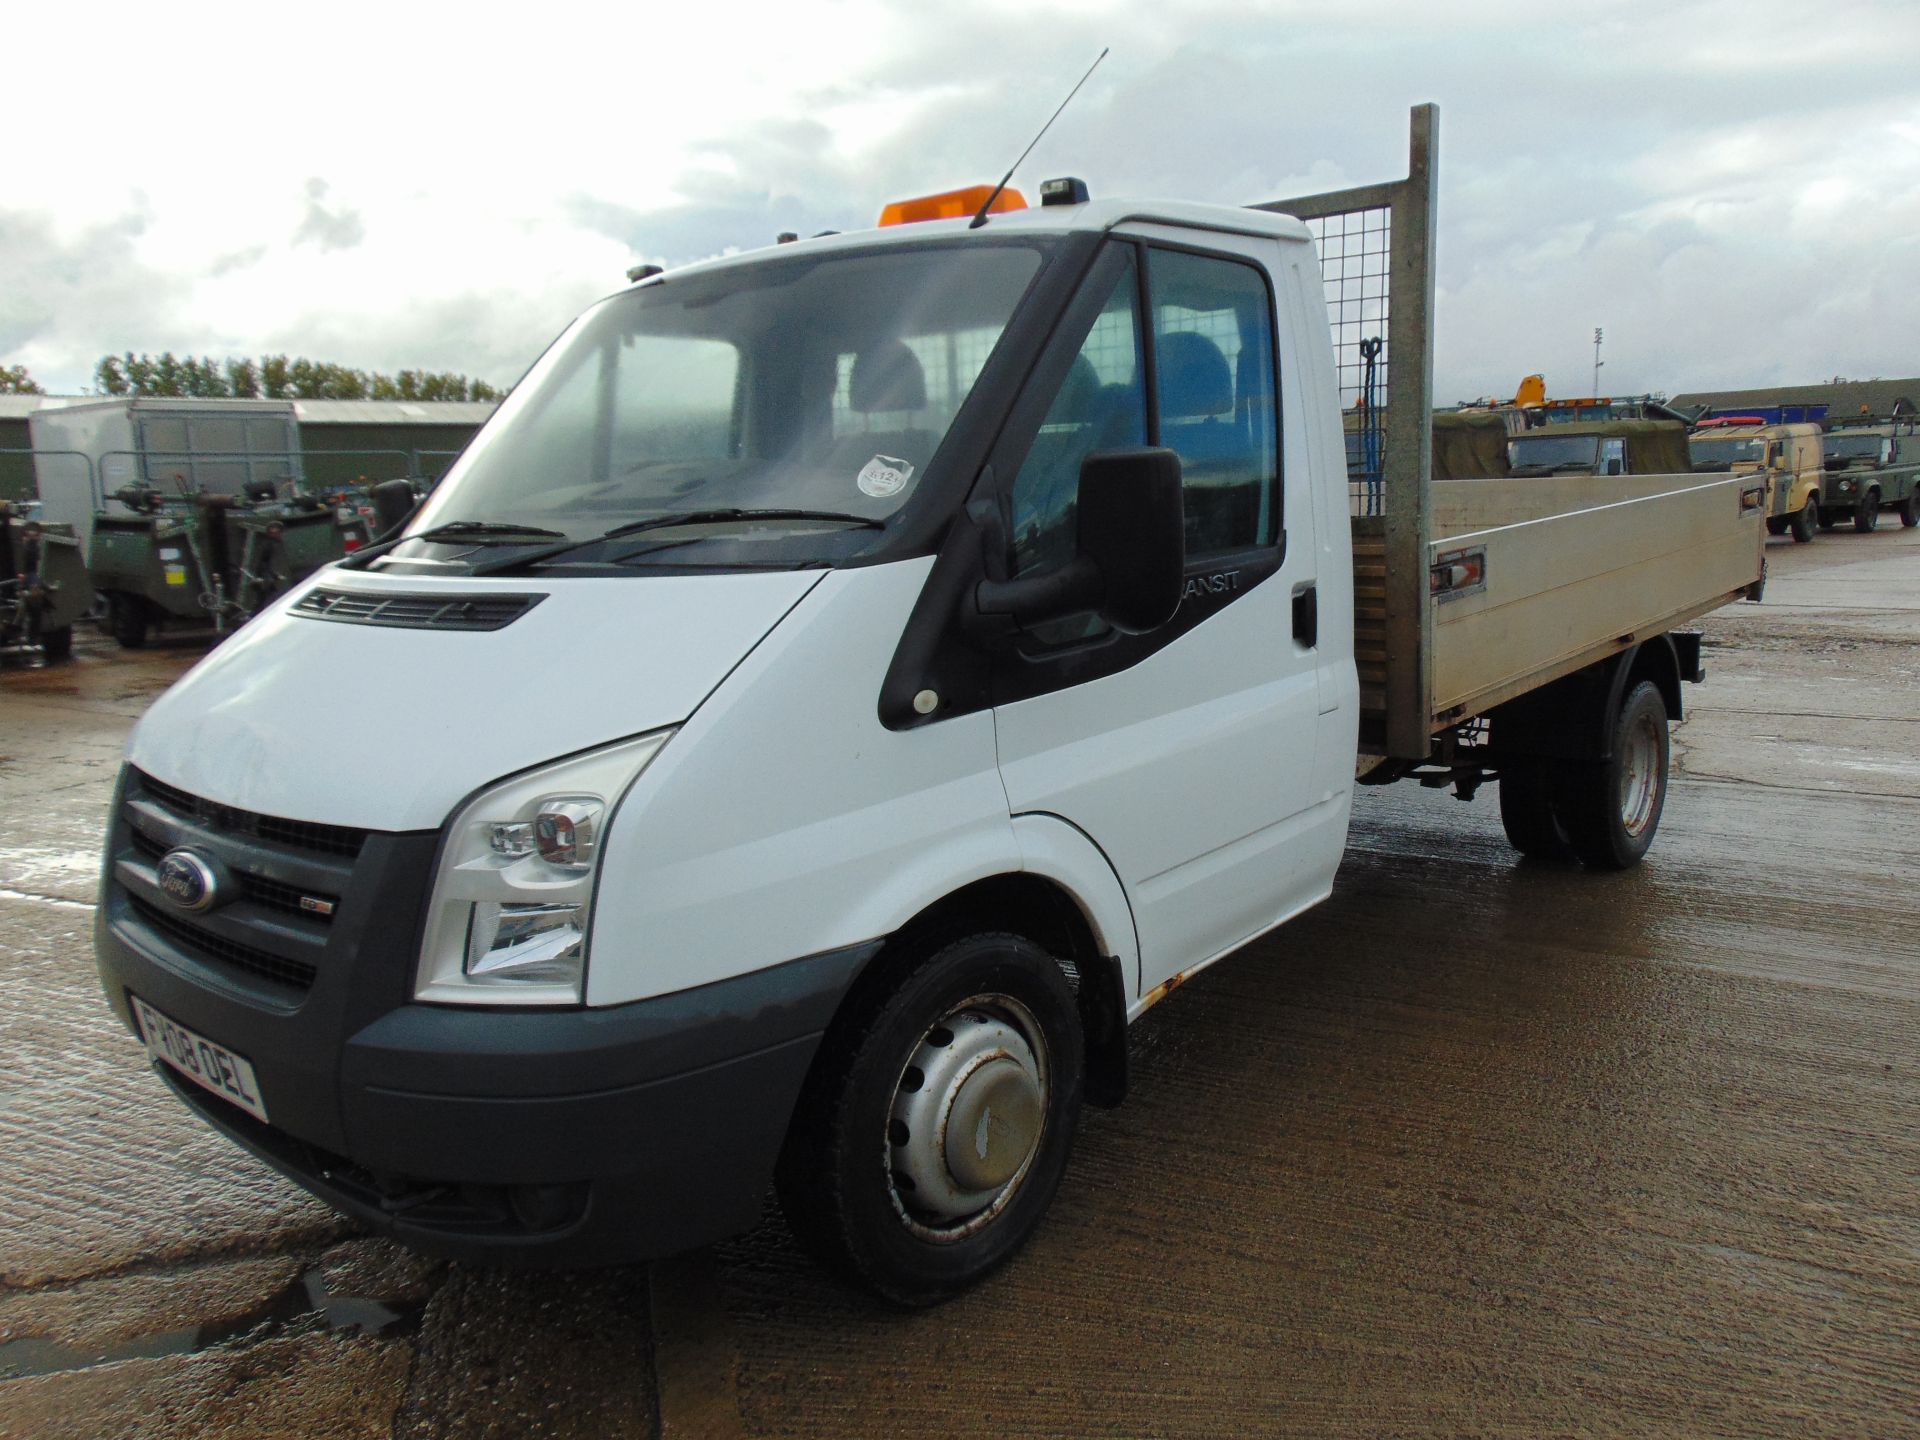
[513,896]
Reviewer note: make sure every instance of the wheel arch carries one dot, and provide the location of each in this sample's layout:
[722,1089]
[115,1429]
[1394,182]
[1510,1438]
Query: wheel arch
[1045,909]
[1572,718]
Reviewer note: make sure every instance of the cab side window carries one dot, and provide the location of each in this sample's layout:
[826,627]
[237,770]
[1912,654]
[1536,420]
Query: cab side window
[1102,405]
[1214,392]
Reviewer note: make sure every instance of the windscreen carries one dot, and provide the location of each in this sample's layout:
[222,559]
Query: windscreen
[1724,454]
[1857,447]
[823,384]
[1544,454]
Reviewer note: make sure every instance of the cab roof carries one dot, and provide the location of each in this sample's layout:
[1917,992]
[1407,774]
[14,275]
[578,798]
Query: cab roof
[1093,215]
[1747,432]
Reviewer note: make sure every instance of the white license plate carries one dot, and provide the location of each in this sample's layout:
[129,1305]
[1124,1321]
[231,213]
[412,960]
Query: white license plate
[210,1066]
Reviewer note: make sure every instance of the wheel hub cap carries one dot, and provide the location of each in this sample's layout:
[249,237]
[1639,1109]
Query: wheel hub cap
[1640,779]
[966,1119]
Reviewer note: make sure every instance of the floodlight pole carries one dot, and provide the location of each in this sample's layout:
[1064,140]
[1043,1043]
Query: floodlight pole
[1597,362]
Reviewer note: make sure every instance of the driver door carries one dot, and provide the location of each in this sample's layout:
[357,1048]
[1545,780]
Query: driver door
[1186,754]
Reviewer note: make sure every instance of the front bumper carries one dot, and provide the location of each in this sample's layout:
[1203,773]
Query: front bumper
[563,1137]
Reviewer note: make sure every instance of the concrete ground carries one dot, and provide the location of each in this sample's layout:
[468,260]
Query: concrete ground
[1479,1147]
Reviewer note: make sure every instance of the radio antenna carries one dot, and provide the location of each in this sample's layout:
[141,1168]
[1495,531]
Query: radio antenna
[981,218]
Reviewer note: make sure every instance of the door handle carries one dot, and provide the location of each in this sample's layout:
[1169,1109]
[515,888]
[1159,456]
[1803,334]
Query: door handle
[1306,615]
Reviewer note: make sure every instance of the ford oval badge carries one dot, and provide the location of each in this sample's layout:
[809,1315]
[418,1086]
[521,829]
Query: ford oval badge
[187,880]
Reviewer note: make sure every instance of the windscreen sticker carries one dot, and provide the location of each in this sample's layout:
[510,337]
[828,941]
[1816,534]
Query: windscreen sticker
[884,475]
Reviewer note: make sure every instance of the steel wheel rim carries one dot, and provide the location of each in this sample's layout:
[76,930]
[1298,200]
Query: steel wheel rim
[1640,777]
[953,1164]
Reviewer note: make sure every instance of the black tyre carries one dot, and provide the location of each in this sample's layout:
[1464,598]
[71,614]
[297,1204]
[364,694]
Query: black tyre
[1866,515]
[57,644]
[1612,808]
[1776,524]
[1828,519]
[1806,524]
[1527,810]
[1910,508]
[933,1131]
[128,616]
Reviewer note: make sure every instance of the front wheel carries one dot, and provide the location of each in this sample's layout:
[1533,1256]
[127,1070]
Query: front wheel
[1866,515]
[1612,807]
[1776,524]
[1806,524]
[1910,508]
[57,644]
[933,1131]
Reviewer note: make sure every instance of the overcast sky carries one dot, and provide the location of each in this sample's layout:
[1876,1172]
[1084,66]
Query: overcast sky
[1731,189]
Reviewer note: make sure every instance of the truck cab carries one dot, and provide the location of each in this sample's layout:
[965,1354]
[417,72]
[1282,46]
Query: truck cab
[1601,447]
[1789,455]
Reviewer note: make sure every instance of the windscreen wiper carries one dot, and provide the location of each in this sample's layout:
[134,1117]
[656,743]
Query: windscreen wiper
[486,532]
[663,522]
[474,532]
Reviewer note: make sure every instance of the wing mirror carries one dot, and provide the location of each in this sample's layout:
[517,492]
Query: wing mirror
[1130,554]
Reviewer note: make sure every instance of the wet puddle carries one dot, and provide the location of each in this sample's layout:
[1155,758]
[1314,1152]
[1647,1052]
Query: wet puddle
[305,1304]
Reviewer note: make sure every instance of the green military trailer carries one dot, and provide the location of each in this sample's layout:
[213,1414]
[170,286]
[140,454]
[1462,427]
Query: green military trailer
[1871,467]
[211,559]
[43,584]
[190,511]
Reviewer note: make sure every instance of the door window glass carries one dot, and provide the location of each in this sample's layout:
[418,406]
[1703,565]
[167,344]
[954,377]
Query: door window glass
[1102,405]
[1213,371]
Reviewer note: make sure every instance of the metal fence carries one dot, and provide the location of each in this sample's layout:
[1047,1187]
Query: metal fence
[1376,246]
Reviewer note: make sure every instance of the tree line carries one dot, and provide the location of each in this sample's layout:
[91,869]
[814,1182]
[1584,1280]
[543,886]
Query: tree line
[275,377]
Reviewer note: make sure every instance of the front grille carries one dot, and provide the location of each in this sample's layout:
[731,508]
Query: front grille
[221,952]
[259,889]
[297,834]
[416,612]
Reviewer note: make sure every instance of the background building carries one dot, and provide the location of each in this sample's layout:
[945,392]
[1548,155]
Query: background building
[1785,404]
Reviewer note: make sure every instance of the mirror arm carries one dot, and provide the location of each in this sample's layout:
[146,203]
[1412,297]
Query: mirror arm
[1062,591]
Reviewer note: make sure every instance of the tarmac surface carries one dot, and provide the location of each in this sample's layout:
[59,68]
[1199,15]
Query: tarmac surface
[1480,1147]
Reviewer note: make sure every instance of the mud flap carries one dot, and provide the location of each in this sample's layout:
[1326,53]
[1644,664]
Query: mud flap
[1103,1016]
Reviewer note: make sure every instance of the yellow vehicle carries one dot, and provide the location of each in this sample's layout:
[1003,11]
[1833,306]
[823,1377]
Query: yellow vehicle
[1790,455]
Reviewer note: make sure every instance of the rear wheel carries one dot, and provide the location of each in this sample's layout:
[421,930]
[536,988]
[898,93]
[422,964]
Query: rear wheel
[1806,524]
[1776,524]
[1527,811]
[127,614]
[1866,515]
[1828,519]
[1612,807]
[57,644]
[933,1131]
[1910,509]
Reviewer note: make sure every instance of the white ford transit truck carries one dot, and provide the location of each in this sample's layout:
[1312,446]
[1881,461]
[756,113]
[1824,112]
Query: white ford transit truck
[845,685]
